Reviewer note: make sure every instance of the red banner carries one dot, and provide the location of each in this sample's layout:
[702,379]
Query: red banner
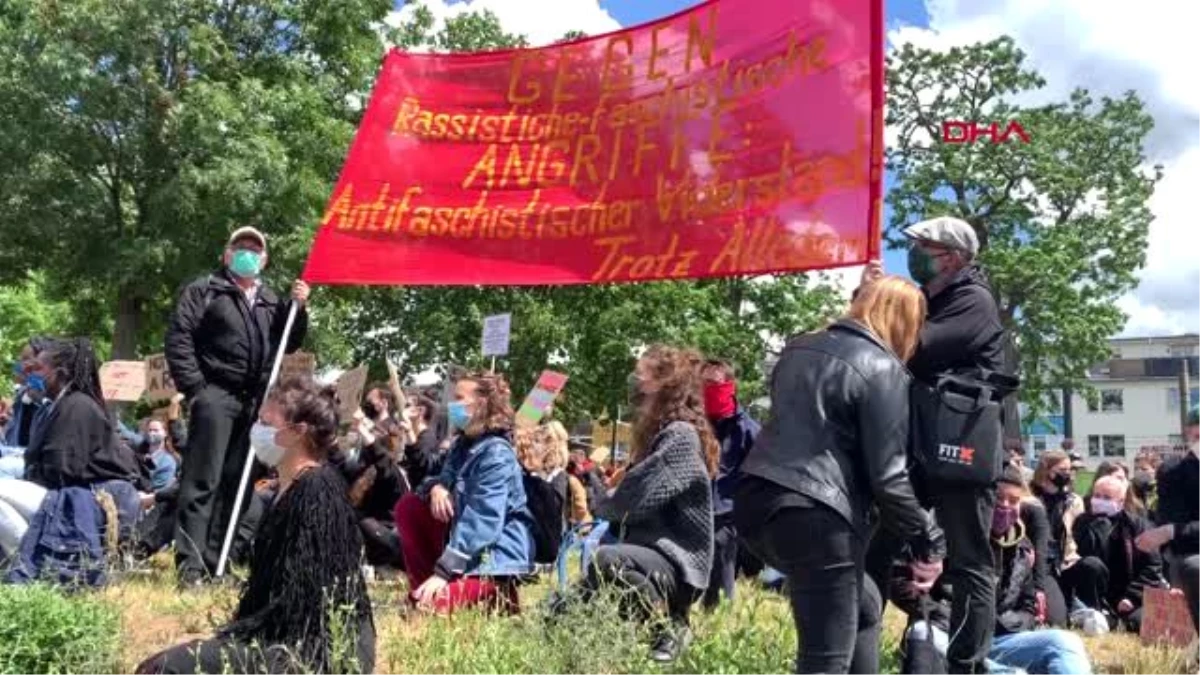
[738,137]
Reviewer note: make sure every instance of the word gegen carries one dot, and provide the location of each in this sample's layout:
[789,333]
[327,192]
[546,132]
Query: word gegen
[959,132]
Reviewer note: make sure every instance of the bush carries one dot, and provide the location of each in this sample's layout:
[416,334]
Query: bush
[42,630]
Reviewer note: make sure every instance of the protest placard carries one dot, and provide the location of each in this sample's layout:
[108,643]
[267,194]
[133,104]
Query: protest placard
[298,364]
[350,388]
[496,332]
[123,380]
[548,386]
[159,384]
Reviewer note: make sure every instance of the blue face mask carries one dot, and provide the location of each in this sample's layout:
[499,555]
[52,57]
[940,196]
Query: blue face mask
[245,264]
[36,382]
[458,415]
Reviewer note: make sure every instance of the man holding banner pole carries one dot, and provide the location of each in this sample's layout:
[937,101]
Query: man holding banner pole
[220,345]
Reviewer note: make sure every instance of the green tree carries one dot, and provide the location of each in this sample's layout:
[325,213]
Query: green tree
[137,133]
[1062,220]
[590,332]
[25,312]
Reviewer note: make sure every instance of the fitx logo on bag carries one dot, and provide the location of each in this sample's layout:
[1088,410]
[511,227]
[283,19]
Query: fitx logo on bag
[956,454]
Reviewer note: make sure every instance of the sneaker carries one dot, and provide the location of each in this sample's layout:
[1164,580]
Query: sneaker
[671,644]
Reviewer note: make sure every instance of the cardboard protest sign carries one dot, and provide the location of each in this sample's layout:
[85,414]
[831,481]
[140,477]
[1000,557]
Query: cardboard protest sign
[123,380]
[548,386]
[298,364]
[159,384]
[350,388]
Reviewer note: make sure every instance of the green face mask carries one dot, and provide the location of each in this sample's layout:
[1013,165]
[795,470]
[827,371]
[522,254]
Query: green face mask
[245,264]
[921,266]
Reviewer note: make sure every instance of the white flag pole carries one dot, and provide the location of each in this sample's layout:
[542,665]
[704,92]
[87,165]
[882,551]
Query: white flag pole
[237,503]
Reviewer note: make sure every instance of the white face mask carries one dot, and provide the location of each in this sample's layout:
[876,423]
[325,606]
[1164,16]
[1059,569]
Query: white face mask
[1105,507]
[262,439]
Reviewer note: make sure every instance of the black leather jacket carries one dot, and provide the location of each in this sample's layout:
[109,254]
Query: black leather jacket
[838,433]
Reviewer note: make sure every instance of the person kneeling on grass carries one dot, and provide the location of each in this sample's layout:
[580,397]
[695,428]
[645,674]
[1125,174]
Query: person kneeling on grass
[1018,646]
[305,606]
[662,507]
[478,501]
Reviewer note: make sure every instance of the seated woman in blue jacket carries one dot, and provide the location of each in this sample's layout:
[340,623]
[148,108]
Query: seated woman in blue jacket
[478,500]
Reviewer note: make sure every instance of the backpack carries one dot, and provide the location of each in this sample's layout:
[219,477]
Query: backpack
[547,501]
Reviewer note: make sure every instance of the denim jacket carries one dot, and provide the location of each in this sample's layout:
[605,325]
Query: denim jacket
[491,534]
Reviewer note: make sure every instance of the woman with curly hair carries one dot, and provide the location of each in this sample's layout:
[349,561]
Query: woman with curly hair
[478,502]
[661,510]
[304,607]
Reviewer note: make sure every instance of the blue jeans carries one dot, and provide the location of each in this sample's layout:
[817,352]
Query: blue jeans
[1042,651]
[1050,651]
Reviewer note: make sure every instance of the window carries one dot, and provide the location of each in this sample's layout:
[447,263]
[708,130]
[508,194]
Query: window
[1114,446]
[1039,444]
[1111,400]
[1173,398]
[1106,445]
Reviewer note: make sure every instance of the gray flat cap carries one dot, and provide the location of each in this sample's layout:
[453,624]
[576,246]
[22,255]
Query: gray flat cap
[947,231]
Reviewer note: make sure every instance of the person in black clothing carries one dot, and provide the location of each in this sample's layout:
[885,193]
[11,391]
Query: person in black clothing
[962,332]
[74,445]
[1112,574]
[423,456]
[1179,513]
[832,451]
[376,481]
[304,607]
[735,431]
[220,347]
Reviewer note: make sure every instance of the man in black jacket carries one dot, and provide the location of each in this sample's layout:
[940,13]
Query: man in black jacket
[962,331]
[220,348]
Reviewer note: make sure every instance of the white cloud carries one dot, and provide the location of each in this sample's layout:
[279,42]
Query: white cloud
[1111,49]
[542,21]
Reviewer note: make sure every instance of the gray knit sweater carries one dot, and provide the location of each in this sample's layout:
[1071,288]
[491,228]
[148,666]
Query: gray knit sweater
[665,503]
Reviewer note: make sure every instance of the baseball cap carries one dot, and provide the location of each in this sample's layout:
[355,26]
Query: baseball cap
[947,231]
[248,233]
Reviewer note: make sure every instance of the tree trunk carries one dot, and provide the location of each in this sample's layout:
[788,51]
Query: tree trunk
[1012,410]
[129,321]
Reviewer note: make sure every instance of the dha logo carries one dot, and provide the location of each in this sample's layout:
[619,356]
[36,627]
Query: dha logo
[956,454]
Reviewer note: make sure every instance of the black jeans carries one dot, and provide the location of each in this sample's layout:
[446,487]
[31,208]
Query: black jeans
[218,441]
[381,543]
[835,605]
[725,561]
[647,578]
[966,517]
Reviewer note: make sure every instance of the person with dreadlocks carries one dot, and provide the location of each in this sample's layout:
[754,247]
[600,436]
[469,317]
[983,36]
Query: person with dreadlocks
[74,445]
[304,607]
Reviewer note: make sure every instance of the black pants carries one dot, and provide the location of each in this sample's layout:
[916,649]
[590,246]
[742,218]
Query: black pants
[1056,604]
[219,655]
[218,440]
[966,518]
[1185,574]
[725,561]
[836,606]
[647,578]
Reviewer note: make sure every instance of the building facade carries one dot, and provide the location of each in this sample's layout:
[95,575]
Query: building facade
[1138,403]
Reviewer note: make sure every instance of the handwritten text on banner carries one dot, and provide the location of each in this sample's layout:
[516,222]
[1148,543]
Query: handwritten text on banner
[734,138]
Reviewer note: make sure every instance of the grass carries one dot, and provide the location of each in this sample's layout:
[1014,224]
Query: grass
[143,614]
